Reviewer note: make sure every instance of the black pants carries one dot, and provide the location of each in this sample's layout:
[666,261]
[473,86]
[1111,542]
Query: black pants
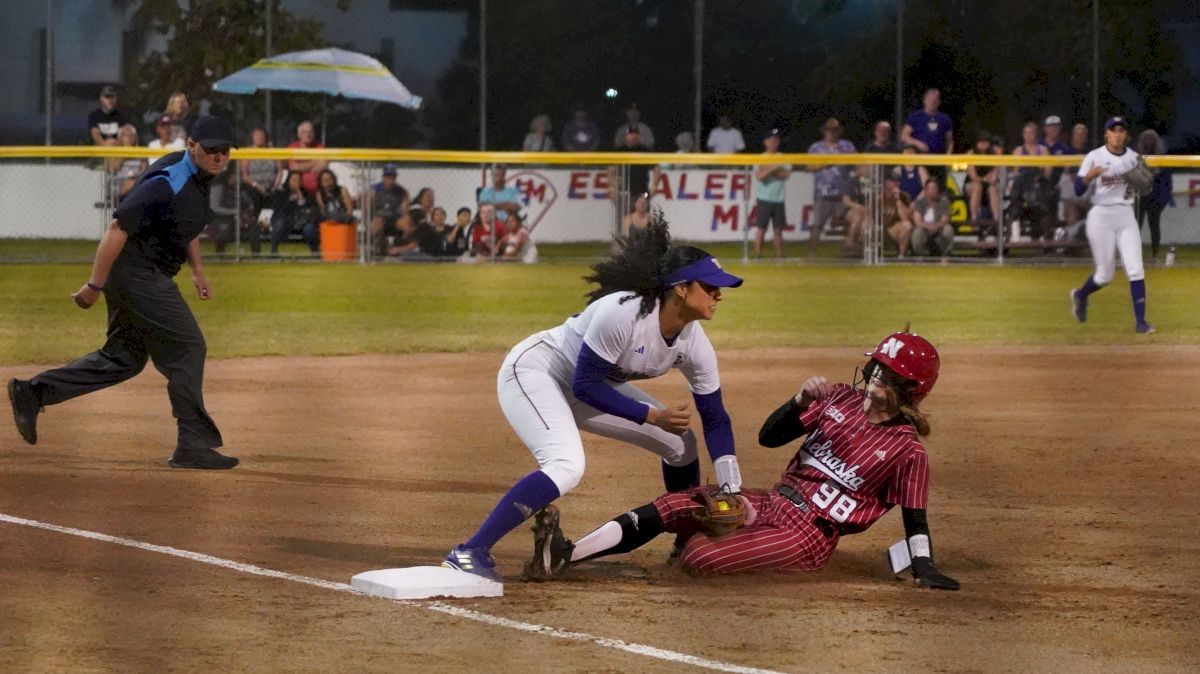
[147,319]
[1151,211]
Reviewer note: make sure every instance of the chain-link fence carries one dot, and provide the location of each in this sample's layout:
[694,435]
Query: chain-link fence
[339,205]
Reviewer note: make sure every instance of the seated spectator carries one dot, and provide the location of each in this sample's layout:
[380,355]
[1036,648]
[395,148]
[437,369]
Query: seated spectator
[505,199]
[981,182]
[126,171]
[333,200]
[881,139]
[684,142]
[516,243]
[643,140]
[1076,206]
[725,139]
[223,201]
[897,215]
[417,238]
[1033,198]
[177,111]
[295,210]
[830,184]
[580,134]
[106,121]
[485,231]
[538,139]
[164,142]
[1053,142]
[455,236]
[639,174]
[932,233]
[437,221]
[389,201]
[260,177]
[306,137]
[425,199]
[910,176]
[639,218]
[855,216]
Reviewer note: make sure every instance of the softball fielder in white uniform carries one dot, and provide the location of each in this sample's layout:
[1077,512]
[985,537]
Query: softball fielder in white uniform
[640,323]
[1111,225]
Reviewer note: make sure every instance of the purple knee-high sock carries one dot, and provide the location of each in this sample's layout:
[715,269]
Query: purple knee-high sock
[679,478]
[1089,286]
[529,495]
[1137,290]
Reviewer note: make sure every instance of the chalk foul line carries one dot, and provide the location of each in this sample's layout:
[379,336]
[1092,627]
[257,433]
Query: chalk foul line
[439,606]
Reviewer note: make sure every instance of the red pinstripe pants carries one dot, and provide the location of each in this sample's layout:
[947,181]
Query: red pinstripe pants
[782,538]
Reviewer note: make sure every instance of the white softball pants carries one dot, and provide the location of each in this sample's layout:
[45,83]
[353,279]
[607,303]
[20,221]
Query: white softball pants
[1112,229]
[534,388]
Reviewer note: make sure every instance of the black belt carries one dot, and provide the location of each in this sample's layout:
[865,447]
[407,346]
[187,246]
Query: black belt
[828,528]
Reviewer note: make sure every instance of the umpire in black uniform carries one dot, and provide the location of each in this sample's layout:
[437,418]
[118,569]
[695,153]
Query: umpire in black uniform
[153,232]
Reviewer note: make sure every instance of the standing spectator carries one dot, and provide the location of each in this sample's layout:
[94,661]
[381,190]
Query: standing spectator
[105,121]
[830,184]
[910,176]
[932,233]
[1150,207]
[638,218]
[259,176]
[881,139]
[684,142]
[505,199]
[981,181]
[770,181]
[389,200]
[126,171]
[639,174]
[425,199]
[177,110]
[1076,206]
[897,215]
[725,139]
[516,243]
[295,210]
[580,134]
[456,242]
[644,137]
[485,231]
[333,200]
[931,131]
[1032,197]
[309,169]
[538,138]
[165,141]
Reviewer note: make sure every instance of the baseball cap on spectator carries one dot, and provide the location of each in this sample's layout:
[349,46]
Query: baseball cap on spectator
[775,132]
[165,120]
[1052,120]
[108,91]
[389,170]
[212,131]
[1116,121]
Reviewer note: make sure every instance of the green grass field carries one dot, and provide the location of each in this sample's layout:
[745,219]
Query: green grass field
[288,309]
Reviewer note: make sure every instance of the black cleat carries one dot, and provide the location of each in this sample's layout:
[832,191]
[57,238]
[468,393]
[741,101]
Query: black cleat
[25,408]
[203,459]
[551,550]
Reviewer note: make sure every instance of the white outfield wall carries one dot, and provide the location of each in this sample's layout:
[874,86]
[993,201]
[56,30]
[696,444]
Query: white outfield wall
[60,201]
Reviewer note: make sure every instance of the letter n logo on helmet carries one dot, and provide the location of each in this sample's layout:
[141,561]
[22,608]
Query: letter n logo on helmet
[891,347]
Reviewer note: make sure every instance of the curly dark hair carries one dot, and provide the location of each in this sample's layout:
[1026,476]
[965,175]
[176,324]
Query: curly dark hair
[641,265]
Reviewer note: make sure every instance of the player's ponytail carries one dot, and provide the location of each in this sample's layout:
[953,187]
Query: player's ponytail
[915,417]
[636,266]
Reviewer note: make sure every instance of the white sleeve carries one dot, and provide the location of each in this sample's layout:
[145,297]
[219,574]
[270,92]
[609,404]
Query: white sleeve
[741,142]
[1087,164]
[709,143]
[611,327]
[700,365]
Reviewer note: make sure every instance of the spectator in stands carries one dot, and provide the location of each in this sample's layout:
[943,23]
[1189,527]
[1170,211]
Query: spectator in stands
[855,203]
[516,243]
[309,169]
[388,202]
[644,138]
[910,176]
[1079,140]
[1052,141]
[639,174]
[1150,207]
[177,110]
[485,231]
[224,204]
[1032,197]
[538,139]
[295,210]
[770,183]
[580,134]
[639,218]
[932,232]
[1076,206]
[505,198]
[105,122]
[897,215]
[127,170]
[684,142]
[455,236]
[881,139]
[333,200]
[165,142]
[830,184]
[260,177]
[981,181]
[417,238]
[425,199]
[931,131]
[725,138]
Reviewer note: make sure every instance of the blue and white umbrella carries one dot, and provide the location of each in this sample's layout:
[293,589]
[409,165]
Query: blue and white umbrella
[334,72]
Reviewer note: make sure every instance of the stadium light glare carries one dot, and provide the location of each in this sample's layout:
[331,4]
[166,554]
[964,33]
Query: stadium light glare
[610,93]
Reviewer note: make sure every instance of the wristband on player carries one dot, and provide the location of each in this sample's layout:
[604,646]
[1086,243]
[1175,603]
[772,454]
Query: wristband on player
[728,473]
[93,286]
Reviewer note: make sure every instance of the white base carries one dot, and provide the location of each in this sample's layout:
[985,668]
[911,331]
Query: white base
[424,582]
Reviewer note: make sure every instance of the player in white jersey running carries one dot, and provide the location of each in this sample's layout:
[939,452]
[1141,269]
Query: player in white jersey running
[1111,225]
[640,322]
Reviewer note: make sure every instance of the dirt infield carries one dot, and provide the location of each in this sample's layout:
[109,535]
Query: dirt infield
[1064,498]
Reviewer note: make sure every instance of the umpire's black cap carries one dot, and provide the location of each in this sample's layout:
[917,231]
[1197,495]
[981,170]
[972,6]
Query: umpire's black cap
[212,131]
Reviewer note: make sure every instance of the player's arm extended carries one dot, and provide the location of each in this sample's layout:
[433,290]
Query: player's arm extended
[916,530]
[783,426]
[718,438]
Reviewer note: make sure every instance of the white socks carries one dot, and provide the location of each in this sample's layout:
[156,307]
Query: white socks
[607,536]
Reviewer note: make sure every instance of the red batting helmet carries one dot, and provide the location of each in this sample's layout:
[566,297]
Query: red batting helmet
[912,357]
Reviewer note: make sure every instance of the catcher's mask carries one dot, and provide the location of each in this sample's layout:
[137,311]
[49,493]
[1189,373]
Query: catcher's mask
[903,362]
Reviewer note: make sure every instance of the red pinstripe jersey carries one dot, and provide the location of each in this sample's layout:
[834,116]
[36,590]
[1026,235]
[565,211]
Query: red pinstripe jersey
[855,471]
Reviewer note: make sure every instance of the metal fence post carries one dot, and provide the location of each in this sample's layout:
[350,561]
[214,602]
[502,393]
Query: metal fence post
[746,209]
[237,210]
[1000,218]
